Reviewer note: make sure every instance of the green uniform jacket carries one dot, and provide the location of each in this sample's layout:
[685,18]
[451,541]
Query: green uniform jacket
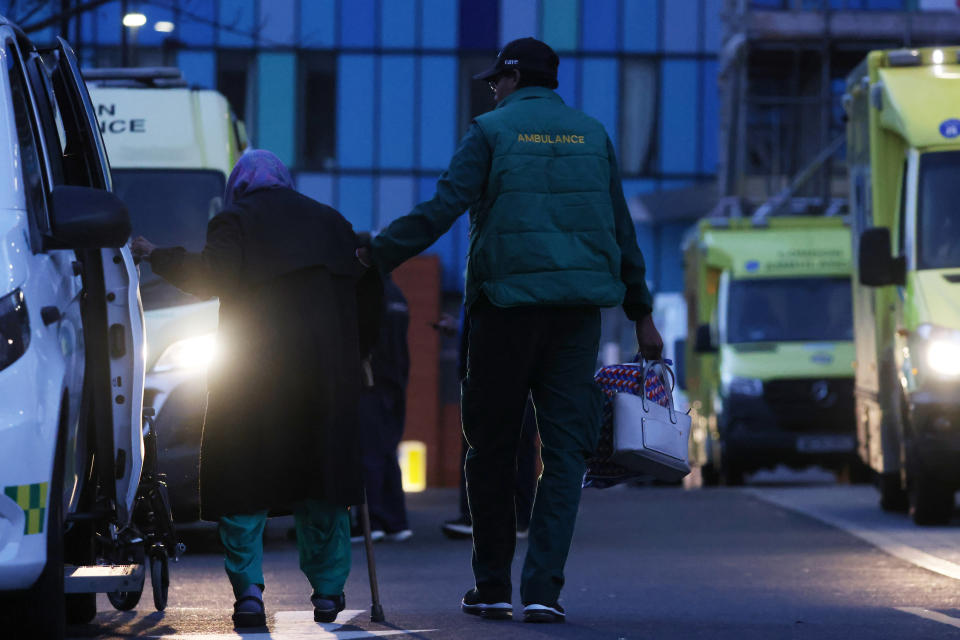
[548,221]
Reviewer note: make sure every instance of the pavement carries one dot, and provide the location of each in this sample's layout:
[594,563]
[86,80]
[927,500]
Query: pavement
[804,558]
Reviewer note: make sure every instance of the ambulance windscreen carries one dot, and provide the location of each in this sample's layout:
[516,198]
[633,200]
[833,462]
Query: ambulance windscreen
[171,208]
[790,310]
[938,221]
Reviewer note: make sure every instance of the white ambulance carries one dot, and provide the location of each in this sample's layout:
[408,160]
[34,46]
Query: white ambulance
[171,150]
[71,353]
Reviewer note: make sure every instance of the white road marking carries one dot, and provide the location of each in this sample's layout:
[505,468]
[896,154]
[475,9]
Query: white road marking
[886,543]
[931,615]
[299,625]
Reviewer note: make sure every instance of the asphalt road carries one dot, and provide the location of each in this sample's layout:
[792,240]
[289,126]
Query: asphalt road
[769,561]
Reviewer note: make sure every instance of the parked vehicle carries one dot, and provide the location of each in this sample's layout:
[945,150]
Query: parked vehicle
[77,494]
[171,149]
[770,344]
[903,147]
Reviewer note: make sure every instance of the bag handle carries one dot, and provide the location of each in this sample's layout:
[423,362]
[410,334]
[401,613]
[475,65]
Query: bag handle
[664,365]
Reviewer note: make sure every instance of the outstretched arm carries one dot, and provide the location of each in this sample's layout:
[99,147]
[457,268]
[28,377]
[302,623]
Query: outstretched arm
[212,272]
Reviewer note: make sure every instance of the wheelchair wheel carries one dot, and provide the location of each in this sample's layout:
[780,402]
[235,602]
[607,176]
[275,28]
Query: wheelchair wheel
[159,579]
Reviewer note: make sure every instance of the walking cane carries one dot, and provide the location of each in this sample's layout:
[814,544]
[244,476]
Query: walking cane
[376,610]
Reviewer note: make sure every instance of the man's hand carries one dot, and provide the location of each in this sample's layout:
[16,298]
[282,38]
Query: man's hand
[141,248]
[648,339]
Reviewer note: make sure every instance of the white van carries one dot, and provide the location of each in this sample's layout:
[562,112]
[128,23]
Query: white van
[171,150]
[71,343]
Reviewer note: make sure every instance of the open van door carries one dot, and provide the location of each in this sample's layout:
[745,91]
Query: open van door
[113,314]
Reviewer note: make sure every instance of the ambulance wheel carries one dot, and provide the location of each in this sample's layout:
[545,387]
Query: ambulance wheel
[892,496]
[159,579]
[125,600]
[709,475]
[931,503]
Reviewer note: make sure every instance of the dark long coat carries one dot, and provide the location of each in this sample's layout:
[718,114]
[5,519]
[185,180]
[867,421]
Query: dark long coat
[296,311]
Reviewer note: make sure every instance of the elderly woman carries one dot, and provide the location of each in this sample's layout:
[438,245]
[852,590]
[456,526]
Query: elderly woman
[280,435]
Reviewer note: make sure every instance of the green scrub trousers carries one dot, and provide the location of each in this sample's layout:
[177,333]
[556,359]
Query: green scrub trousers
[323,540]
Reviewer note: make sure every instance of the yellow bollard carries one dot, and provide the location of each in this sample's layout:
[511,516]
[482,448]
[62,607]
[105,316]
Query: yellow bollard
[412,455]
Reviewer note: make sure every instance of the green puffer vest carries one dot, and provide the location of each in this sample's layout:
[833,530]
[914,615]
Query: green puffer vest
[543,231]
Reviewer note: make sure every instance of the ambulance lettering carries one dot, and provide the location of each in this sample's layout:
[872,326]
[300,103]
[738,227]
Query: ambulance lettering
[112,124]
[547,138]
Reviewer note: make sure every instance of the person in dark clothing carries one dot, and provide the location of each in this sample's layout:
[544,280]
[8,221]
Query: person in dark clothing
[382,412]
[551,243]
[280,433]
[526,473]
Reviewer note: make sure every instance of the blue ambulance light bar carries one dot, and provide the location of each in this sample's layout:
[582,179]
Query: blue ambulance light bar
[904,58]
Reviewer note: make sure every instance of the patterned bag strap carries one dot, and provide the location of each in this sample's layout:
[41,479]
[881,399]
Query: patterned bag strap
[664,365]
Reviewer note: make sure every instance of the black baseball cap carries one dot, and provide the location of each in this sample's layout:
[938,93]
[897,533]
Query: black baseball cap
[524,54]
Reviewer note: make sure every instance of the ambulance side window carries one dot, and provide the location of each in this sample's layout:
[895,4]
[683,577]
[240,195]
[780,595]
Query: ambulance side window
[27,138]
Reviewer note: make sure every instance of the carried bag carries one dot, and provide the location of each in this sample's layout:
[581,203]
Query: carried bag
[649,436]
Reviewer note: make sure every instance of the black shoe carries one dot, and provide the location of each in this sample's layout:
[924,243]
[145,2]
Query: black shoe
[248,609]
[458,528]
[326,608]
[535,612]
[486,607]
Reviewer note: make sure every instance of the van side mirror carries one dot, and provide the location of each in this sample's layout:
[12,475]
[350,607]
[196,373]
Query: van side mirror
[877,267]
[680,362]
[86,218]
[704,340]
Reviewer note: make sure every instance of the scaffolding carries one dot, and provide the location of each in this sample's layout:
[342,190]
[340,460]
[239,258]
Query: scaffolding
[782,70]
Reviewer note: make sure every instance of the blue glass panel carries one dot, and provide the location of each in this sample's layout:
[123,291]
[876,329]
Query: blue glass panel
[358,20]
[438,110]
[478,24]
[197,23]
[712,25]
[452,250]
[46,36]
[633,188]
[147,35]
[398,24]
[599,97]
[568,75]
[681,25]
[647,241]
[671,258]
[356,201]
[678,116]
[395,199]
[199,68]
[396,112]
[641,23]
[103,25]
[277,99]
[318,27]
[237,23]
[355,95]
[438,20]
[518,19]
[278,23]
[710,118]
[318,186]
[559,24]
[599,20]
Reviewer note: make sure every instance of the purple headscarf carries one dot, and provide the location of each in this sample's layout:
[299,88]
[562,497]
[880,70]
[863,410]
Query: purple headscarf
[255,170]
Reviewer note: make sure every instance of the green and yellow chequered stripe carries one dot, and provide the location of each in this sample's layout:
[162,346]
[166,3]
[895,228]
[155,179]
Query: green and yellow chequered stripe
[32,498]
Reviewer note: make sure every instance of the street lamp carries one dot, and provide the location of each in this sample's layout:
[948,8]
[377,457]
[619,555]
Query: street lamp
[134,20]
[163,26]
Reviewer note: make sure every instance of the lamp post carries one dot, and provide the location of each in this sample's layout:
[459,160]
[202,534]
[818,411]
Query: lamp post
[133,22]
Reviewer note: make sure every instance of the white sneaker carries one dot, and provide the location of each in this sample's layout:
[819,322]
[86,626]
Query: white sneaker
[398,536]
[356,535]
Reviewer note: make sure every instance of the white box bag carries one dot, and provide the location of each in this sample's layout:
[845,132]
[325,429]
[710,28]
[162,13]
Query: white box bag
[648,437]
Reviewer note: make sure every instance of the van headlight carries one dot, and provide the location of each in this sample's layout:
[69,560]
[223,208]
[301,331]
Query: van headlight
[737,386]
[190,353]
[14,328]
[941,349]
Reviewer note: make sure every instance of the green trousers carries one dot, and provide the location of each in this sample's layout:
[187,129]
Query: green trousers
[551,353]
[323,540]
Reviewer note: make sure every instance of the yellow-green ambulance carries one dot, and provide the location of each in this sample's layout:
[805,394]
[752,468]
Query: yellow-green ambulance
[171,149]
[768,365]
[903,140]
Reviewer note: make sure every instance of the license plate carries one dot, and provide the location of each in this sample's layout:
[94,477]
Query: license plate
[825,444]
